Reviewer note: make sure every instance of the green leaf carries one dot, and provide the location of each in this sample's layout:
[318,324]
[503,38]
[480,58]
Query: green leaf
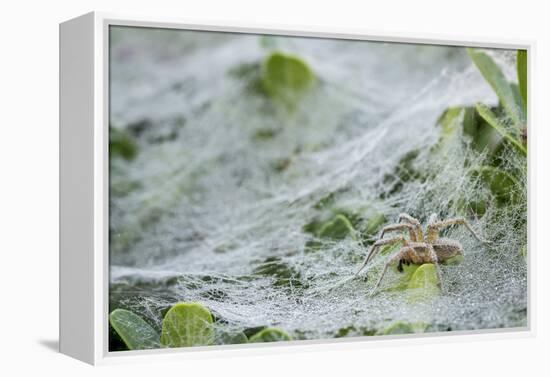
[476,207]
[502,185]
[268,41]
[270,334]
[187,324]
[284,275]
[458,121]
[466,120]
[399,327]
[286,77]
[523,251]
[517,97]
[264,134]
[454,261]
[494,122]
[133,330]
[425,277]
[404,277]
[424,283]
[494,76]
[451,120]
[469,121]
[417,283]
[121,144]
[374,223]
[230,337]
[522,76]
[338,228]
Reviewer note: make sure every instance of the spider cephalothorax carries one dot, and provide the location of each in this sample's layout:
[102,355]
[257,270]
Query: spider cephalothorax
[421,246]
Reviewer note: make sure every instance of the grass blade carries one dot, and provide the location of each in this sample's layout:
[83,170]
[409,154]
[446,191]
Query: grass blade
[522,76]
[494,76]
[493,121]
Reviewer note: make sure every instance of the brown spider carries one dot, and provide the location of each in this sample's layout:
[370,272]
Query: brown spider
[421,247]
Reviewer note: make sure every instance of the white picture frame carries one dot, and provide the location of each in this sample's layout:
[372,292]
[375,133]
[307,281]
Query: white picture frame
[84,188]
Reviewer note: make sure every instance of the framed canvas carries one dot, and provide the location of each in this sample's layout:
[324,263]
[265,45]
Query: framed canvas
[241,188]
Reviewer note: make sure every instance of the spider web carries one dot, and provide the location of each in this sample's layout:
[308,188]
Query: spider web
[212,210]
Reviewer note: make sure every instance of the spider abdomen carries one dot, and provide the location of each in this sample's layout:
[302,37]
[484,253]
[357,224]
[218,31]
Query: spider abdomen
[446,248]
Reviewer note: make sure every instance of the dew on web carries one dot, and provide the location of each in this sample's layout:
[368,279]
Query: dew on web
[215,206]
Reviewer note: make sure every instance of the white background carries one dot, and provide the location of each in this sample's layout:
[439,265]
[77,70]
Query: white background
[29,185]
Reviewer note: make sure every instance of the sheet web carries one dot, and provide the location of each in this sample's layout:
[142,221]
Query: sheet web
[213,207]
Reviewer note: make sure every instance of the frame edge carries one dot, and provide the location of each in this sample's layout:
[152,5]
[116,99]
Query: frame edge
[76,189]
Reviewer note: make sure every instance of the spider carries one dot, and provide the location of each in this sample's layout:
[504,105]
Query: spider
[421,247]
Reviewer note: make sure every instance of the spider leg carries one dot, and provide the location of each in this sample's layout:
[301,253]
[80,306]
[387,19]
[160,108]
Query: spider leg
[435,260]
[400,265]
[400,254]
[393,227]
[376,247]
[413,221]
[459,221]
